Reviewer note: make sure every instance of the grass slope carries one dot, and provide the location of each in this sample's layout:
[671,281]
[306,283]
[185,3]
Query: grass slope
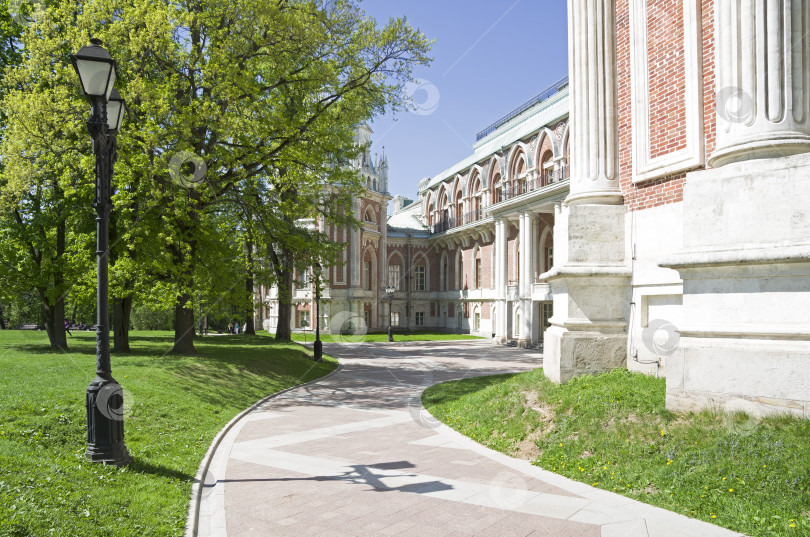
[176,405]
[612,431]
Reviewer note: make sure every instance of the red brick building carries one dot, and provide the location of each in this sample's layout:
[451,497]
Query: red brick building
[652,211]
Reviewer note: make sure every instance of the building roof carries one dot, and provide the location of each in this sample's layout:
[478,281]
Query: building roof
[532,119]
[407,221]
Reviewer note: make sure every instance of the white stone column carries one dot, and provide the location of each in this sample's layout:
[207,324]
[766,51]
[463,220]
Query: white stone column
[590,280]
[763,79]
[593,108]
[501,280]
[528,222]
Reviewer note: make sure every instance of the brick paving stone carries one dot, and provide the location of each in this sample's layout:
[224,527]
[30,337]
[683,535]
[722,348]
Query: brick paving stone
[357,455]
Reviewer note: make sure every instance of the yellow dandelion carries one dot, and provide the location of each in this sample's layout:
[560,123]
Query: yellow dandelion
[663,433]
[714,516]
[731,490]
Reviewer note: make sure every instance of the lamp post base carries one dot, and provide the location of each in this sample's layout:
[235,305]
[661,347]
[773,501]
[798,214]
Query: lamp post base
[317,351]
[390,334]
[105,423]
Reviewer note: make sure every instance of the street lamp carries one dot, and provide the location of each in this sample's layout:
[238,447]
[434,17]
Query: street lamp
[389,291]
[317,347]
[105,401]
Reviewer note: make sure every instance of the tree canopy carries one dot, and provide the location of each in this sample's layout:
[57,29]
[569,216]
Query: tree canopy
[240,121]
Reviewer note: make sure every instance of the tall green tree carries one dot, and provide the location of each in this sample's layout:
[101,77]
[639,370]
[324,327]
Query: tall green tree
[247,89]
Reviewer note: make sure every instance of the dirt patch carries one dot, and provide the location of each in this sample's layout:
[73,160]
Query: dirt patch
[527,448]
[585,454]
[544,411]
[650,489]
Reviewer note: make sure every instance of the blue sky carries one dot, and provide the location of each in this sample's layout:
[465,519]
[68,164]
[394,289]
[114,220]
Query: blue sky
[488,58]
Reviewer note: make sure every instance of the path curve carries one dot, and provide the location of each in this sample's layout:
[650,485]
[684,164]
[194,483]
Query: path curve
[357,455]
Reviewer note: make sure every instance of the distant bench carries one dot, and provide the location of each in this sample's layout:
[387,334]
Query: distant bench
[31,327]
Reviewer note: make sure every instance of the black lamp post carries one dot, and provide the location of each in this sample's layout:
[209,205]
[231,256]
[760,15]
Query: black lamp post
[389,291]
[105,401]
[317,347]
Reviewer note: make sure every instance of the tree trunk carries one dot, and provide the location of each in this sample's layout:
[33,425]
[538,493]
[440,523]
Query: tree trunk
[2,321]
[249,325]
[55,322]
[183,327]
[285,290]
[122,308]
[55,311]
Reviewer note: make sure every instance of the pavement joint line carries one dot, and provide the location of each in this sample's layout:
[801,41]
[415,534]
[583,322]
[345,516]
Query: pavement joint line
[193,517]
[609,514]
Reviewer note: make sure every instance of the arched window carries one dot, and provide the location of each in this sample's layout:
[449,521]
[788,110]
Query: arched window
[369,216]
[444,208]
[546,167]
[475,198]
[497,188]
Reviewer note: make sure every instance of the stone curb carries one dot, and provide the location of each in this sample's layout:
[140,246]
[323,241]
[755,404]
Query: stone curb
[635,511]
[193,518]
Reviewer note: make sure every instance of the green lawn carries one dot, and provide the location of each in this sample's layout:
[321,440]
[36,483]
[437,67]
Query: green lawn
[613,432]
[381,337]
[176,407]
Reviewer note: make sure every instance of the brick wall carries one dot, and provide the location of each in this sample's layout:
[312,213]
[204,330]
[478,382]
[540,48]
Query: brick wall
[667,82]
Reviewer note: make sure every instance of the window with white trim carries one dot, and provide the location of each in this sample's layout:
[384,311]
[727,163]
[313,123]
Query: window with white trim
[419,278]
[420,318]
[395,276]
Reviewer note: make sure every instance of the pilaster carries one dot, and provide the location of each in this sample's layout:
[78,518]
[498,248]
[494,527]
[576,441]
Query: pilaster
[356,264]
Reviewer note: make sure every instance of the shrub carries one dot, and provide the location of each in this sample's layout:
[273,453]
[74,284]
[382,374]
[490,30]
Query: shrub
[144,318]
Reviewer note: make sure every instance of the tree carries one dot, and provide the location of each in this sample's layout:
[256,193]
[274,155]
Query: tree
[44,196]
[249,89]
[244,85]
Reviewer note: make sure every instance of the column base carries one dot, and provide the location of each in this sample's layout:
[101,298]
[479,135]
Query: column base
[756,149]
[572,354]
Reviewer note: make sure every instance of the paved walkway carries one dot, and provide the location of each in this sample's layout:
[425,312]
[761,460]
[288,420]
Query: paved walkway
[357,455]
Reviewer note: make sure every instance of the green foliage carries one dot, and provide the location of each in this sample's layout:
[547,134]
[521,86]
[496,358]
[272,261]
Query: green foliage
[612,431]
[144,318]
[265,94]
[174,408]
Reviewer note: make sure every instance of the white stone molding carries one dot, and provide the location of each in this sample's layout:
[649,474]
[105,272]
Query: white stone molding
[763,79]
[513,157]
[693,155]
[593,108]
